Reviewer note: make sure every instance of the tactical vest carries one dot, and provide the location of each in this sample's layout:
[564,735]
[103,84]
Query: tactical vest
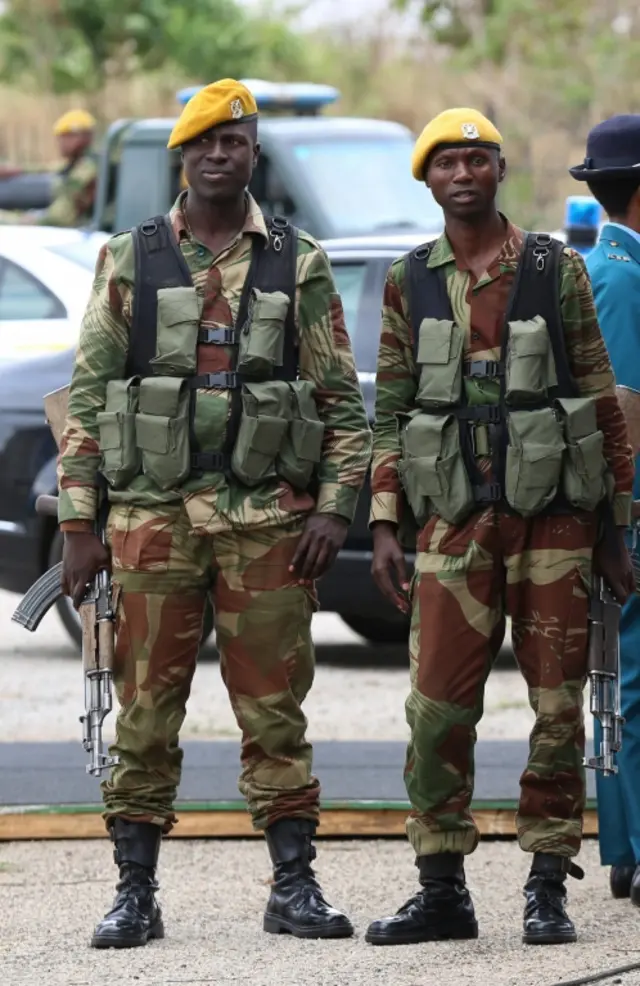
[542,438]
[272,429]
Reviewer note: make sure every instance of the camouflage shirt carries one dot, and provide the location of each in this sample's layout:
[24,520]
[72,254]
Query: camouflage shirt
[73,195]
[213,503]
[479,307]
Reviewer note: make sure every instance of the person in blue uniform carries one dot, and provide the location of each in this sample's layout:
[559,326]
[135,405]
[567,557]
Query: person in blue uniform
[611,170]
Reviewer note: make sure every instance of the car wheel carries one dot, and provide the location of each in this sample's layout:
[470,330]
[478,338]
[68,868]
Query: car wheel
[69,616]
[378,631]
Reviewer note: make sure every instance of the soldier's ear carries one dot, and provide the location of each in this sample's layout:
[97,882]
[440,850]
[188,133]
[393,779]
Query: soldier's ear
[502,168]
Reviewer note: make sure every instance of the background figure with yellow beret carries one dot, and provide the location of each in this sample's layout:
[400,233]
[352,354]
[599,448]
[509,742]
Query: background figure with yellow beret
[492,361]
[75,184]
[215,392]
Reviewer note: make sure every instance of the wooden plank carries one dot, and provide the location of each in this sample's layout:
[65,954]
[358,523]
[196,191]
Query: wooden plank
[345,823]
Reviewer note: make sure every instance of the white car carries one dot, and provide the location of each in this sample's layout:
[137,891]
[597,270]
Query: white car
[45,280]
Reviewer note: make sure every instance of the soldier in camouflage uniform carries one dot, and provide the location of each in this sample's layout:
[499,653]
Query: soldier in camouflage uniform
[479,561]
[75,183]
[255,549]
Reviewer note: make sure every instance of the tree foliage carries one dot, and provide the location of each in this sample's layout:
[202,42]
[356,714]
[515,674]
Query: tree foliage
[65,46]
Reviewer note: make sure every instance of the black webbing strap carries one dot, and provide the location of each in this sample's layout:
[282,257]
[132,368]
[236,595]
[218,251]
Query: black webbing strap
[427,290]
[278,272]
[428,298]
[538,293]
[273,268]
[158,264]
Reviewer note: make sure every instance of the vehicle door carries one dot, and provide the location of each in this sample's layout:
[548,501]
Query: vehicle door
[31,315]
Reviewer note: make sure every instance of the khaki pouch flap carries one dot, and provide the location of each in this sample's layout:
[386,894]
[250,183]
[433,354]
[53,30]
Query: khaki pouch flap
[178,305]
[153,433]
[161,395]
[435,341]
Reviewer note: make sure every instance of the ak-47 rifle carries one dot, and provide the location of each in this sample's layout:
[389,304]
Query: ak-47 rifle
[604,661]
[604,675]
[96,614]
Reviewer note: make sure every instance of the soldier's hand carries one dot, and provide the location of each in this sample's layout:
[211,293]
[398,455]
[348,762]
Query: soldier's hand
[322,538]
[611,562]
[389,563]
[83,556]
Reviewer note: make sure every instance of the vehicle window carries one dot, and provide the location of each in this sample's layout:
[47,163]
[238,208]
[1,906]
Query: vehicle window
[366,185]
[24,297]
[350,280]
[83,252]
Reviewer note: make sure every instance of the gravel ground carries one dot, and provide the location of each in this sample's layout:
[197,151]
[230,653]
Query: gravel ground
[213,893]
[359,691]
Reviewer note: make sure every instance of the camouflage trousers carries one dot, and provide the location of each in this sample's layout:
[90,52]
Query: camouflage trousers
[163,575]
[466,580]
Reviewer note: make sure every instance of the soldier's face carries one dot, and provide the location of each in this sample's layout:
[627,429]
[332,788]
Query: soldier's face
[218,164]
[71,145]
[464,180]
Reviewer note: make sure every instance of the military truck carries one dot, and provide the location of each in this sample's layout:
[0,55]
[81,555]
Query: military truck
[333,176]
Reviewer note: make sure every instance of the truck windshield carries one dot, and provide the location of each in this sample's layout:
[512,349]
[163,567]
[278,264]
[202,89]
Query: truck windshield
[366,185]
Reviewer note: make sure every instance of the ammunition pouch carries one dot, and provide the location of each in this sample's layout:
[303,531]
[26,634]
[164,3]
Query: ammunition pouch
[162,430]
[265,420]
[301,450]
[584,467]
[541,437]
[440,346]
[149,421]
[261,343]
[432,468]
[530,373]
[534,460]
[120,460]
[178,323]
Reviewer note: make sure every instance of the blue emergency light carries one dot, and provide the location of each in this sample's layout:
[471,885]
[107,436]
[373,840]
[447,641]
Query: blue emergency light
[582,218]
[299,97]
[582,212]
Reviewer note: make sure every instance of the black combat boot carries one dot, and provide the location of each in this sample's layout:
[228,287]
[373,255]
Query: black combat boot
[620,879]
[442,910]
[296,905]
[545,919]
[135,917]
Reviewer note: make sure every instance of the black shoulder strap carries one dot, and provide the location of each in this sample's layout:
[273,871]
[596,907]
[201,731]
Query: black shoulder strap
[158,264]
[427,291]
[277,271]
[537,292]
[273,268]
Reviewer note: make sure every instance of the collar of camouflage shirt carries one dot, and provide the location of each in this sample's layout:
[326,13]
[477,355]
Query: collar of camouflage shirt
[254,221]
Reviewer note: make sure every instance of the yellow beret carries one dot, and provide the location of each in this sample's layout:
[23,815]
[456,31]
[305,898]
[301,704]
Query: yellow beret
[225,101]
[457,126]
[74,122]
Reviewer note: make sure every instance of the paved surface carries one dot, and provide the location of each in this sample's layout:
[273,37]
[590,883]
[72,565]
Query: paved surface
[41,773]
[213,894]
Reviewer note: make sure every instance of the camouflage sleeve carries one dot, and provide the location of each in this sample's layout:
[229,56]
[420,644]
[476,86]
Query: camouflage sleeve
[327,360]
[74,198]
[100,357]
[395,391]
[591,368]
